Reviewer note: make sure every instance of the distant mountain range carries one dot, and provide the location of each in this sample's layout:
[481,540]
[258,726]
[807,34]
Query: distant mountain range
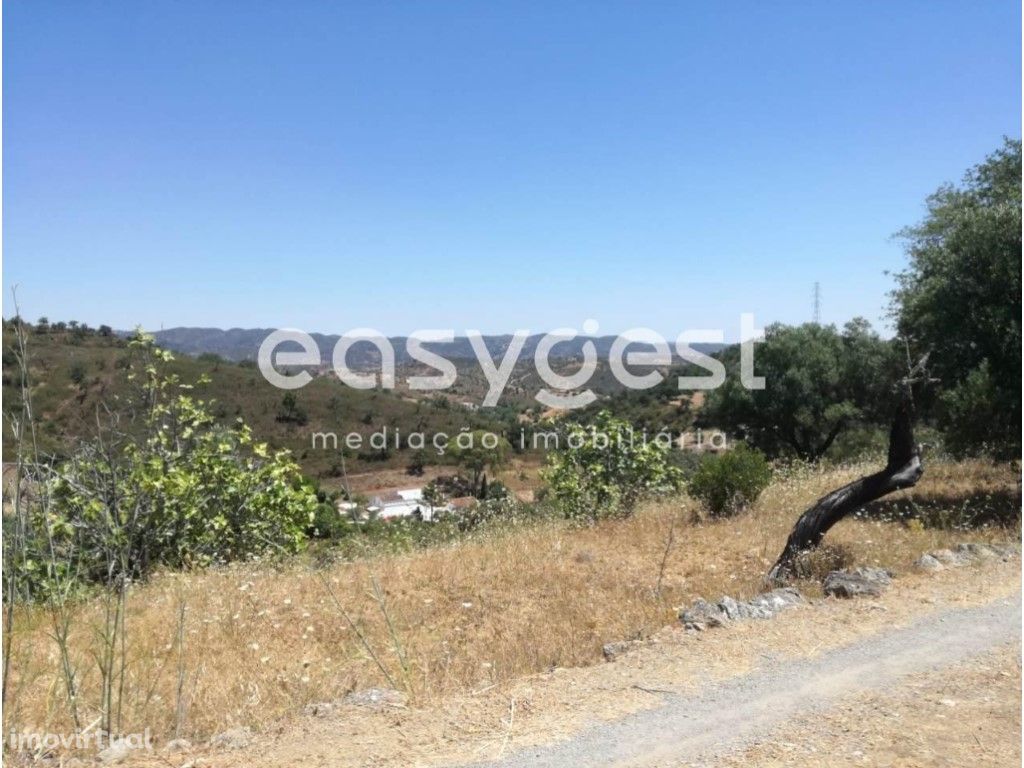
[243,343]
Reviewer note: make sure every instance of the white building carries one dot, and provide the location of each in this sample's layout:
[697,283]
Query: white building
[403,503]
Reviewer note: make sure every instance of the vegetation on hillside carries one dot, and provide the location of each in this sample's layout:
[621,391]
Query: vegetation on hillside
[75,370]
[819,383]
[161,484]
[729,483]
[604,469]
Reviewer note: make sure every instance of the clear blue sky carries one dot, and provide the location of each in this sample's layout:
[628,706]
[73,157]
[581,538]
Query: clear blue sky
[482,165]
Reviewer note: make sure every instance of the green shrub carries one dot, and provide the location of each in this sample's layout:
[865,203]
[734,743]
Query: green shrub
[329,523]
[727,483]
[177,490]
[602,470]
[77,374]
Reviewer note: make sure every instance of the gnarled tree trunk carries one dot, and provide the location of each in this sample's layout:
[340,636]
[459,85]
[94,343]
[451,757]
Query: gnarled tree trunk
[902,470]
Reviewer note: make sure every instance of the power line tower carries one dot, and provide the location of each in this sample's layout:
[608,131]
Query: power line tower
[817,303]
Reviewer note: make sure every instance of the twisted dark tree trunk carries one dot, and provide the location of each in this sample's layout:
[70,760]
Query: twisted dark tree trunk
[902,470]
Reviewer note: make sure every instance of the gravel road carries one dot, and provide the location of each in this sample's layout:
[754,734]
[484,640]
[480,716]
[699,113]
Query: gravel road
[694,729]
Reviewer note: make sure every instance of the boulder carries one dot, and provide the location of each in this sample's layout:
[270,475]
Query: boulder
[859,582]
[948,557]
[767,604]
[703,615]
[975,552]
[968,553]
[929,563]
[612,651]
[733,610]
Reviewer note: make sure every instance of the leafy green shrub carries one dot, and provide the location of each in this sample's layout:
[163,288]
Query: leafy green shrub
[725,484]
[329,523]
[175,490]
[602,470]
[77,374]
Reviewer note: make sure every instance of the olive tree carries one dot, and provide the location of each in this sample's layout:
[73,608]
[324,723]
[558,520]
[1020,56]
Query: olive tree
[819,382]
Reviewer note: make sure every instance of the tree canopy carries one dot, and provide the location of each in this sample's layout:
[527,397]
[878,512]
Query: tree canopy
[818,382]
[960,299]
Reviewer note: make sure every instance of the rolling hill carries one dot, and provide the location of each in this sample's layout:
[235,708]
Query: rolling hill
[243,343]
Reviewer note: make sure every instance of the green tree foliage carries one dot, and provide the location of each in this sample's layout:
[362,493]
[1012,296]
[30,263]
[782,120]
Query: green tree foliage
[433,495]
[290,411]
[662,407]
[960,298]
[478,451]
[727,483]
[77,373]
[603,469]
[818,383]
[181,491]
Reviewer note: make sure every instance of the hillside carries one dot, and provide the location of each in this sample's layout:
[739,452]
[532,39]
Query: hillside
[515,616]
[74,373]
[243,343]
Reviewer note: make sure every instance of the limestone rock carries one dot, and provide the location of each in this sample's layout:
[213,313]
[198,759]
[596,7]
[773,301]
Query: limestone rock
[234,738]
[612,651]
[703,615]
[376,697]
[929,563]
[859,582]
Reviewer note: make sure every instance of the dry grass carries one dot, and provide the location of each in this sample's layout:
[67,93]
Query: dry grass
[260,642]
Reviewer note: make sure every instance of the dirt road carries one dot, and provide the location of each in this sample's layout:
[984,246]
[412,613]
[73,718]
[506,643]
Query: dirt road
[734,713]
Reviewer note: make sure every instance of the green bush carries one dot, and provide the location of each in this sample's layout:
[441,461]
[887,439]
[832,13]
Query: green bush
[603,471]
[329,523]
[727,483]
[176,490]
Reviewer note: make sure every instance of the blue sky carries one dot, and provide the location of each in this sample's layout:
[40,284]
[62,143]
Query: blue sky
[483,165]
